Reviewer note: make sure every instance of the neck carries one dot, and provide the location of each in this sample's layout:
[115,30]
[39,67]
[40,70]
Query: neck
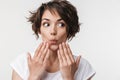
[53,62]
[53,56]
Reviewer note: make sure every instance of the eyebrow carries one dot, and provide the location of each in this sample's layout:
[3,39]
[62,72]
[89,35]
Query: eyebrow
[46,19]
[49,19]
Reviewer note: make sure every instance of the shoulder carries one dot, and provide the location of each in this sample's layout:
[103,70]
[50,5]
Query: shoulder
[83,62]
[85,70]
[19,60]
[20,65]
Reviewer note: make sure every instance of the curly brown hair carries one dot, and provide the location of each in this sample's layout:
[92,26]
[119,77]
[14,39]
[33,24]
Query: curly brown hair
[65,10]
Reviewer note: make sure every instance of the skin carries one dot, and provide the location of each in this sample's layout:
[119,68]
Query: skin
[53,54]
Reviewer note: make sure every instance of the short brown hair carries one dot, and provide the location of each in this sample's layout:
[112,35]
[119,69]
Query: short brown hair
[65,10]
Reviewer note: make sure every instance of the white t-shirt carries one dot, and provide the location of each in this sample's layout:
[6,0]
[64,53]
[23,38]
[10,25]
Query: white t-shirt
[20,65]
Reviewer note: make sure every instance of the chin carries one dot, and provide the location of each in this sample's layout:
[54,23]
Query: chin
[54,47]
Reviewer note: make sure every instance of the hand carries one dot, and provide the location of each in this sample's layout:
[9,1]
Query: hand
[38,63]
[68,65]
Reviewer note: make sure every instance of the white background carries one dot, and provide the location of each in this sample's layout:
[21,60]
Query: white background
[98,40]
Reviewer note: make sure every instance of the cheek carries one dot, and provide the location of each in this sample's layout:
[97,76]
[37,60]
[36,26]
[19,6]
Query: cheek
[63,36]
[44,35]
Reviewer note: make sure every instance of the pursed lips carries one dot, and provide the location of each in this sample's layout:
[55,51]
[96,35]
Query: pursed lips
[53,41]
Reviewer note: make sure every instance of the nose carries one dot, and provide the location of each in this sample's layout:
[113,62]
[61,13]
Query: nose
[53,31]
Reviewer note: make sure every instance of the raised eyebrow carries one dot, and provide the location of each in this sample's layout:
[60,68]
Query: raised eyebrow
[60,20]
[49,19]
[45,19]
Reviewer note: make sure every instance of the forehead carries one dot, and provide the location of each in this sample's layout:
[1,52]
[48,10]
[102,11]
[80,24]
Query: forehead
[51,14]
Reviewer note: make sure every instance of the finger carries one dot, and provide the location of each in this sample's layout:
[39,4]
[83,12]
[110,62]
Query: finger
[41,50]
[47,56]
[61,52]
[59,57]
[78,61]
[70,53]
[44,52]
[66,53]
[29,58]
[37,50]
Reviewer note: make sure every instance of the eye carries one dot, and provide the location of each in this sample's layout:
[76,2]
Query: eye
[61,24]
[46,24]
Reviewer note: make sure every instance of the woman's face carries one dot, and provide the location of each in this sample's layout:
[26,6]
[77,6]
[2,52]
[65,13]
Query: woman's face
[53,29]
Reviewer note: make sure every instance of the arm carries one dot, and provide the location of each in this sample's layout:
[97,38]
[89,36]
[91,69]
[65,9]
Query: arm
[91,77]
[15,76]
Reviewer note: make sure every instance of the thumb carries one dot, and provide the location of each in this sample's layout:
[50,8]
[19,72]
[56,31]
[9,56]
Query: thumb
[78,61]
[29,58]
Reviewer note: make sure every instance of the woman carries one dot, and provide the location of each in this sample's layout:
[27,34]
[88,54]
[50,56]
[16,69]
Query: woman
[56,21]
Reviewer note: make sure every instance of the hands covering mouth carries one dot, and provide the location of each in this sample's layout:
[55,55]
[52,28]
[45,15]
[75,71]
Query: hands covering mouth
[38,64]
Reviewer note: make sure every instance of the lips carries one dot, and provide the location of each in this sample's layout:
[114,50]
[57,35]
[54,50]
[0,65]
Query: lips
[52,41]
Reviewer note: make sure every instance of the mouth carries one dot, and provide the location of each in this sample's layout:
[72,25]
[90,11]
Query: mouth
[52,42]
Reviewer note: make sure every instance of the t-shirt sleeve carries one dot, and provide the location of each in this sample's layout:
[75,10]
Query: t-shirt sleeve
[89,72]
[85,70]
[20,66]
